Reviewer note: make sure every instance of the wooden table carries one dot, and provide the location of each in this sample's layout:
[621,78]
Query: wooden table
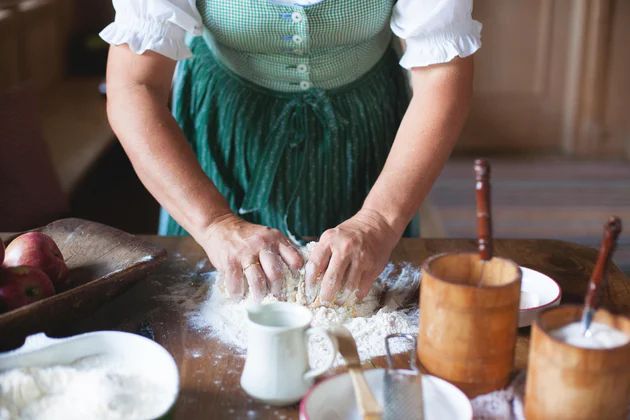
[210,371]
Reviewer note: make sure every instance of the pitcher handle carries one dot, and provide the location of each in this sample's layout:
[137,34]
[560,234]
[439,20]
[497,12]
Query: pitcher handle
[412,359]
[334,347]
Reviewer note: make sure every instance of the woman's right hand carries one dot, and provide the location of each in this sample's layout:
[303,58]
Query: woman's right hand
[240,249]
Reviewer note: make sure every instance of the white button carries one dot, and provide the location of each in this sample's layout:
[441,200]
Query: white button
[302,68]
[305,85]
[297,39]
[298,51]
[297,17]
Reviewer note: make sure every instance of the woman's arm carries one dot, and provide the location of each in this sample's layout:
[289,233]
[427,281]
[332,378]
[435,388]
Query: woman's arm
[355,253]
[138,87]
[425,140]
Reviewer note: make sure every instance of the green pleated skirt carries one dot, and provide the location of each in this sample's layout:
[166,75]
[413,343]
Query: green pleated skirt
[299,162]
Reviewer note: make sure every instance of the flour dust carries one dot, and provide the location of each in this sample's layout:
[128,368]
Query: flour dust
[390,307]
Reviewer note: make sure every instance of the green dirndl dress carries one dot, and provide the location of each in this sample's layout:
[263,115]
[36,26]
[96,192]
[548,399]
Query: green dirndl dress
[291,110]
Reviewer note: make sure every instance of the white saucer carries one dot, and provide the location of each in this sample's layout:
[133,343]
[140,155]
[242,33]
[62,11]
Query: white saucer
[540,292]
[333,398]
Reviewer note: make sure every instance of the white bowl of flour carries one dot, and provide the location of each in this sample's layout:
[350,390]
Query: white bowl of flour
[100,376]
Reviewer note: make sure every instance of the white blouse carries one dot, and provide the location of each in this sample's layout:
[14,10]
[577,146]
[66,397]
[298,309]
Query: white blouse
[435,31]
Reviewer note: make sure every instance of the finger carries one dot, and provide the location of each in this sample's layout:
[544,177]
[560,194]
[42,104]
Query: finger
[233,273]
[333,277]
[367,280]
[315,268]
[350,283]
[291,256]
[273,266]
[257,280]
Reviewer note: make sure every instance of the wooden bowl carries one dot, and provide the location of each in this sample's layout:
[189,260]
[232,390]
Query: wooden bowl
[103,263]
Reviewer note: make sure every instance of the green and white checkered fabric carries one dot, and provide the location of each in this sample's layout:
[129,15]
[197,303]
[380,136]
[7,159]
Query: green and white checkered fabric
[295,48]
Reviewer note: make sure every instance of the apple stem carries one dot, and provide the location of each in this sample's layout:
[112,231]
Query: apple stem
[33,291]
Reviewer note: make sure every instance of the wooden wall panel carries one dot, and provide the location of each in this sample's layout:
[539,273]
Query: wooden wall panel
[513,47]
[40,36]
[552,77]
[515,105]
[617,102]
[9,49]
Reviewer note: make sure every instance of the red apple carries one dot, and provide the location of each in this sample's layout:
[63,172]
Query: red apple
[20,286]
[35,249]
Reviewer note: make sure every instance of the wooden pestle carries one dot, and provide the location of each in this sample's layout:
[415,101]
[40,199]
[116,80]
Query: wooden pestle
[484,215]
[612,229]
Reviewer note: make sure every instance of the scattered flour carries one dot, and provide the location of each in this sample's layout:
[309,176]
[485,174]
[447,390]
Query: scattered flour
[390,307]
[95,387]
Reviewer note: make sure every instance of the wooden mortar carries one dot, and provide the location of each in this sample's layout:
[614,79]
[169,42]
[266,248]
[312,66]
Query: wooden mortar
[468,324]
[567,382]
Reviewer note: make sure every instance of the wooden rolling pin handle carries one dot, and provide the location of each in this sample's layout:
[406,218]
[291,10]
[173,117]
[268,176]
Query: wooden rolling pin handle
[612,229]
[484,218]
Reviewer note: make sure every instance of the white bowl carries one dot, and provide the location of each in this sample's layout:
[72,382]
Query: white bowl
[333,398]
[144,354]
[540,292]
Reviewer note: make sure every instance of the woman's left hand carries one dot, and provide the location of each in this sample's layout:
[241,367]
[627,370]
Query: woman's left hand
[349,258]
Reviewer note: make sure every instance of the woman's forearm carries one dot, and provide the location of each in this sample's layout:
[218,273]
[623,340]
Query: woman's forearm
[424,142]
[137,98]
[164,160]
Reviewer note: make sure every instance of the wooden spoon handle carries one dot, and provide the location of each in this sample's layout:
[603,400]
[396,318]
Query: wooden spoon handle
[612,229]
[484,217]
[367,404]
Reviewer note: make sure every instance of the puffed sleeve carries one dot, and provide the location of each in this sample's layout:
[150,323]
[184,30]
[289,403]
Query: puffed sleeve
[156,25]
[435,31]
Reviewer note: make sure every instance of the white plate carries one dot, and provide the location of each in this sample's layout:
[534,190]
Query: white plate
[540,291]
[147,355]
[333,398]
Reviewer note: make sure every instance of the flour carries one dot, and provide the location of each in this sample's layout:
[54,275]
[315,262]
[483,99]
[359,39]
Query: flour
[601,336]
[96,387]
[390,307]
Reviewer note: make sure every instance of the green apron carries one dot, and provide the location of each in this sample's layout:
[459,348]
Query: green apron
[291,110]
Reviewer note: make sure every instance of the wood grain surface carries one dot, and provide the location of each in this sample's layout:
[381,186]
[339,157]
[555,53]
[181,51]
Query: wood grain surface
[590,383]
[210,370]
[467,335]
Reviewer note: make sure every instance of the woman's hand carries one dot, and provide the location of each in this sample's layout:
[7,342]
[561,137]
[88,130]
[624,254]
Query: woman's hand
[236,248]
[349,258]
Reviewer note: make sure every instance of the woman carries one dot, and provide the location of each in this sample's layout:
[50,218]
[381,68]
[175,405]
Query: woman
[290,117]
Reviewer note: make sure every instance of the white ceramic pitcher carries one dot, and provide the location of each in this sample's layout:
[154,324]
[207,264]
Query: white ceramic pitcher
[276,370]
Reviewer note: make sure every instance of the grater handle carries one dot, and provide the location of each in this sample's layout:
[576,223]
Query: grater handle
[412,358]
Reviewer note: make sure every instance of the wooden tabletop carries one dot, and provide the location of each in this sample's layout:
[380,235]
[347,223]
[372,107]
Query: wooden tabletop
[210,371]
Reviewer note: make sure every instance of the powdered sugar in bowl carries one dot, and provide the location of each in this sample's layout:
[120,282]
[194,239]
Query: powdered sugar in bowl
[100,375]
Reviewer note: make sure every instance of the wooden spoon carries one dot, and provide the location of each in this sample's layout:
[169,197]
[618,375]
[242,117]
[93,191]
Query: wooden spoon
[612,229]
[484,216]
[367,404]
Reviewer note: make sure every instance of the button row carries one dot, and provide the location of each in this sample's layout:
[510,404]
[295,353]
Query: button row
[298,17]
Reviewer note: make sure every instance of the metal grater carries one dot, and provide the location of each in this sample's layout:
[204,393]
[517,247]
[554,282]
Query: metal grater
[402,390]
